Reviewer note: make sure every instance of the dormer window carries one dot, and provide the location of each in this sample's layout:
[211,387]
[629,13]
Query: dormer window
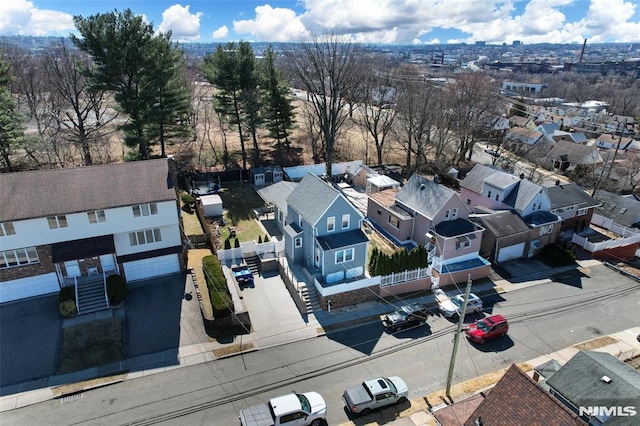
[331,224]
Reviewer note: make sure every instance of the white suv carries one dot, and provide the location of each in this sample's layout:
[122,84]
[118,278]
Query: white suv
[452,307]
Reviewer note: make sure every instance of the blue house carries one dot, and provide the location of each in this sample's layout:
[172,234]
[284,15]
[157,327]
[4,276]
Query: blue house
[323,232]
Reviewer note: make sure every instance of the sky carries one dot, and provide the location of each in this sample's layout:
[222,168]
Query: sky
[365,21]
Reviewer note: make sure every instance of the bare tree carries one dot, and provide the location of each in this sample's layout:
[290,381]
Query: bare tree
[83,113]
[328,68]
[378,104]
[415,118]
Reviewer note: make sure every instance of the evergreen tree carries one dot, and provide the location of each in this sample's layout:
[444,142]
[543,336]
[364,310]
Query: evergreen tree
[278,111]
[11,121]
[133,63]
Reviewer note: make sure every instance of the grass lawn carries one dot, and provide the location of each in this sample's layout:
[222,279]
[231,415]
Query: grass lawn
[92,344]
[239,200]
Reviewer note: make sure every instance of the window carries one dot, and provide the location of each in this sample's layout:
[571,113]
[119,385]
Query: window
[298,242]
[146,236]
[145,210]
[454,213]
[497,197]
[546,229]
[489,194]
[57,221]
[393,221]
[280,216]
[345,221]
[344,255]
[331,224]
[581,212]
[468,201]
[18,257]
[7,229]
[97,216]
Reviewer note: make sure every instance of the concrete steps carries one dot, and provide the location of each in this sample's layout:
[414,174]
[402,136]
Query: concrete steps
[91,297]
[253,261]
[310,298]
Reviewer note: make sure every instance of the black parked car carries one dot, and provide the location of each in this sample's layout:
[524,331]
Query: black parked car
[406,316]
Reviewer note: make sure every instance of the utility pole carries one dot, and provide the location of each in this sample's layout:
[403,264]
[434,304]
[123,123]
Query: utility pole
[457,337]
[615,153]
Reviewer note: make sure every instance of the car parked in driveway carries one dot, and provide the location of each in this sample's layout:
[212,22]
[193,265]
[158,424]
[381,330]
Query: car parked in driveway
[451,307]
[487,329]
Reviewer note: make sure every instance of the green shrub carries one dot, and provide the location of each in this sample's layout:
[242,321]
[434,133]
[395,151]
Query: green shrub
[217,286]
[67,308]
[236,243]
[227,244]
[259,239]
[266,238]
[187,198]
[116,289]
[67,293]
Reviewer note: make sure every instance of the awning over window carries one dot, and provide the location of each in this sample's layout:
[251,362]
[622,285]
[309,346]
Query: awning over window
[80,249]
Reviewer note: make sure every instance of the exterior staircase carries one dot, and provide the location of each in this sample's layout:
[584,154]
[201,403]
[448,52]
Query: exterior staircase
[91,297]
[253,262]
[310,299]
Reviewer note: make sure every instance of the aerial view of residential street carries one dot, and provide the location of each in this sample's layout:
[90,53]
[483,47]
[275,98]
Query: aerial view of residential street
[300,212]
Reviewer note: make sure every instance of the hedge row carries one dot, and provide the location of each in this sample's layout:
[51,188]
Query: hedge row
[217,286]
[383,264]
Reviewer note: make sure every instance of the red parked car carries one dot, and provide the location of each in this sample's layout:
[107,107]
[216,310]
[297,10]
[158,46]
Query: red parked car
[487,328]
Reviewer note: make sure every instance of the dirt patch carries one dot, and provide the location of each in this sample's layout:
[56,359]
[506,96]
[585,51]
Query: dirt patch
[86,385]
[92,344]
[596,343]
[229,350]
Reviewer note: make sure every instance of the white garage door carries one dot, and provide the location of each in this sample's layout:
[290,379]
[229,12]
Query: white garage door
[28,287]
[511,252]
[153,267]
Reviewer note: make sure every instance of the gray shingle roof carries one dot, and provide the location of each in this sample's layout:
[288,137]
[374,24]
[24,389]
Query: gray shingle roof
[575,153]
[312,197]
[474,180]
[569,194]
[522,194]
[622,210]
[503,223]
[580,380]
[424,196]
[41,193]
[277,193]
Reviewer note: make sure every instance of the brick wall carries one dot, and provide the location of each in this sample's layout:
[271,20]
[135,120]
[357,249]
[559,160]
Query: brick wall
[45,266]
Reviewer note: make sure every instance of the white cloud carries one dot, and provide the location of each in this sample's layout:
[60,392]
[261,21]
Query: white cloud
[21,17]
[184,25]
[272,24]
[221,33]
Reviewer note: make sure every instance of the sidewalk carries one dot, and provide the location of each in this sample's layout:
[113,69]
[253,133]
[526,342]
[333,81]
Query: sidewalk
[195,351]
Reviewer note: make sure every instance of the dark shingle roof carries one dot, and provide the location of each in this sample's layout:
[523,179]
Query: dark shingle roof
[342,239]
[569,194]
[424,196]
[624,211]
[503,223]
[575,153]
[517,400]
[580,380]
[539,218]
[451,228]
[41,193]
[312,197]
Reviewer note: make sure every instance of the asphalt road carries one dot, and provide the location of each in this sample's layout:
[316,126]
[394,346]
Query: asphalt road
[543,318]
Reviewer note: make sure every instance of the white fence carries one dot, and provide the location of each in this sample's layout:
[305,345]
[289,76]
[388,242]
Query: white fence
[261,249]
[603,245]
[404,276]
[346,286]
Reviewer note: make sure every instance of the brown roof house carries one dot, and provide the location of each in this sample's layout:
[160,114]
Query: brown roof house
[515,400]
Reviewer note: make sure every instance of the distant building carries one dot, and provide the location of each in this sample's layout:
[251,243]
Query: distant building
[516,43]
[512,86]
[481,43]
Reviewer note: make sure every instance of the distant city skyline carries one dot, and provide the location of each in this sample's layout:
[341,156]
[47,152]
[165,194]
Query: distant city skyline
[366,21]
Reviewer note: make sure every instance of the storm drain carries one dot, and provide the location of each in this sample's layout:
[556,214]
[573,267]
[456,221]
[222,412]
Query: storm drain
[72,397]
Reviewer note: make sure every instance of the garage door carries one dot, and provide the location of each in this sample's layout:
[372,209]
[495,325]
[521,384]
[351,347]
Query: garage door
[153,267]
[511,252]
[28,287]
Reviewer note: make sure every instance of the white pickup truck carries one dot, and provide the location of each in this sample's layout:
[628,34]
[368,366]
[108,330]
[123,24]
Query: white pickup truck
[451,307]
[294,409]
[375,393]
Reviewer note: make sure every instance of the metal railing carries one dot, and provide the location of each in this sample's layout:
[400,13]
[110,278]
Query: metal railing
[75,279]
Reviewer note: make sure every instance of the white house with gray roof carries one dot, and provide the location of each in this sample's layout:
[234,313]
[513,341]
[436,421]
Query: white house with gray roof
[75,226]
